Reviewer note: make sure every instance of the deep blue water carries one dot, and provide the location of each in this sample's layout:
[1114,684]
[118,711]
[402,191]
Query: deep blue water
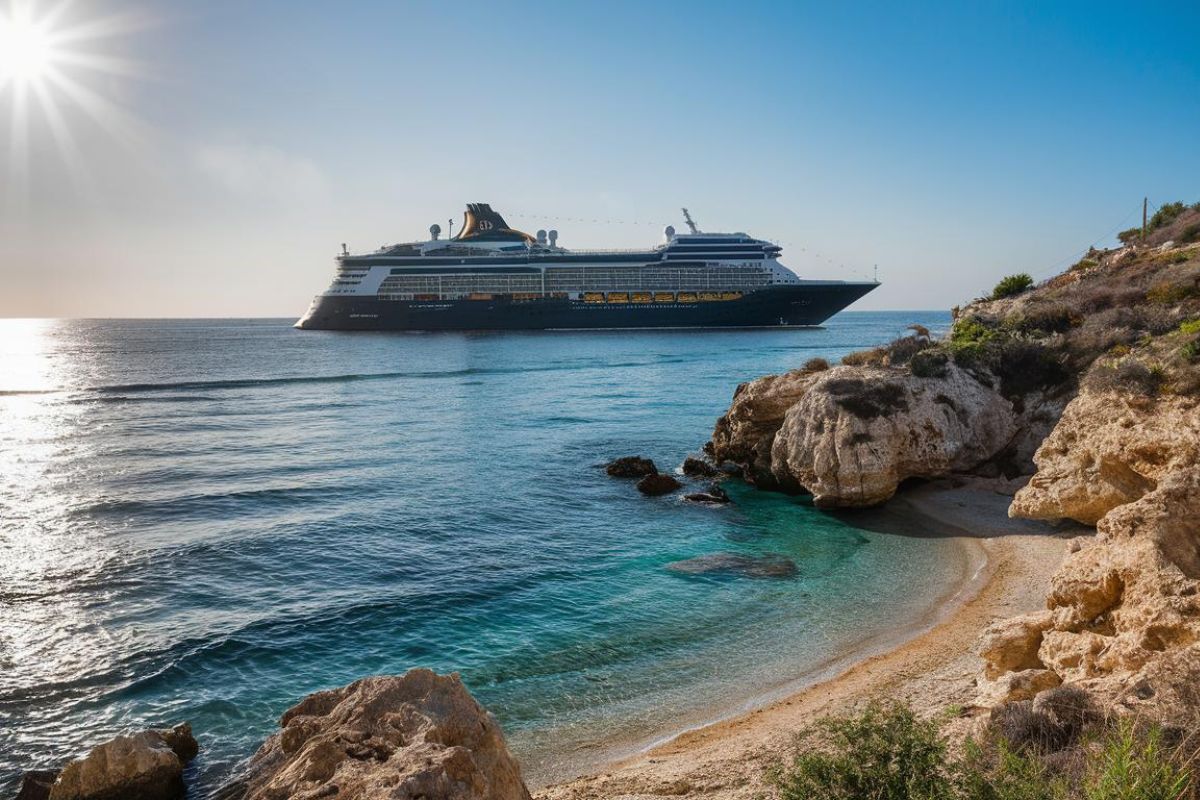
[206,520]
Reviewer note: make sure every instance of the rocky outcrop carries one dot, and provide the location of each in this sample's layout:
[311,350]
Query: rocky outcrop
[1107,450]
[859,431]
[851,435]
[141,766]
[1123,611]
[699,468]
[631,467]
[657,485]
[417,735]
[744,435]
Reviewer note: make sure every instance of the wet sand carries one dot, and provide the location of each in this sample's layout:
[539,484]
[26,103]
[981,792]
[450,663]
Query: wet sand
[932,668]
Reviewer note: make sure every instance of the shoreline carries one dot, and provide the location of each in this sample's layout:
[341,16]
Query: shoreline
[929,664]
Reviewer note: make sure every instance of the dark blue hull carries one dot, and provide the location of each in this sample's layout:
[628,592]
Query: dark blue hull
[777,306]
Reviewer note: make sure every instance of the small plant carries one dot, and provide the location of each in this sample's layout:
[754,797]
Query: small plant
[817,364]
[929,364]
[1190,234]
[970,330]
[1133,767]
[1170,293]
[1130,235]
[1012,285]
[1189,327]
[866,358]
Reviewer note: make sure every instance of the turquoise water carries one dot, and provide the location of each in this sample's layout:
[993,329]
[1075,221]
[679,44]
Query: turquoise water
[205,520]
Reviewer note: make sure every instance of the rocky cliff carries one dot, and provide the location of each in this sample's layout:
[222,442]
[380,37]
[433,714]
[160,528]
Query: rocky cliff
[1090,385]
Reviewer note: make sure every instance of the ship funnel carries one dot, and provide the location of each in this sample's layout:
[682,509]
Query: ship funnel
[553,238]
[541,236]
[668,233]
[435,231]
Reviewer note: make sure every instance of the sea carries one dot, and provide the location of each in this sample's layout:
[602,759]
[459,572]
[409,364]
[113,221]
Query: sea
[205,520]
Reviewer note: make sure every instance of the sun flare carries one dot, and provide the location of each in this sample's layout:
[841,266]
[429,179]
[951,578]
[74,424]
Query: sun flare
[26,50]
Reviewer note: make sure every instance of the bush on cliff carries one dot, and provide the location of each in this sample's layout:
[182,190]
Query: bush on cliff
[1012,285]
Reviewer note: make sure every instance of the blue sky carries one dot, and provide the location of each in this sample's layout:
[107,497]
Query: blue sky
[949,143]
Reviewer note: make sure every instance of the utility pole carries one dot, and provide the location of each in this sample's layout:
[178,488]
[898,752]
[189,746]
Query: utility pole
[1145,205]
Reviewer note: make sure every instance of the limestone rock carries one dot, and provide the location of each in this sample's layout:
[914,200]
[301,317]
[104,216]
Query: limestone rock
[1124,611]
[1108,450]
[857,432]
[744,435]
[417,735]
[142,766]
[1013,644]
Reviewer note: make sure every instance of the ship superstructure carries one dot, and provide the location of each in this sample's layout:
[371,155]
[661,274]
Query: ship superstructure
[491,276]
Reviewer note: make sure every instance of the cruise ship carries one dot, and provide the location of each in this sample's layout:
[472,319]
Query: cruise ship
[493,277]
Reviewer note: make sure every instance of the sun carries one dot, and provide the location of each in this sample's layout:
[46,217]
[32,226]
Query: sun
[26,50]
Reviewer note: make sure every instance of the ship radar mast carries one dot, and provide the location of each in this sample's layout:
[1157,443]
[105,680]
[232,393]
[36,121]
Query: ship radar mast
[688,219]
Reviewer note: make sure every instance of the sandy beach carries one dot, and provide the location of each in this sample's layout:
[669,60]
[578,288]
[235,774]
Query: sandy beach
[932,670]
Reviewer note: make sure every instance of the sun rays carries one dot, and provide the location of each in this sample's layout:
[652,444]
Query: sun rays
[52,60]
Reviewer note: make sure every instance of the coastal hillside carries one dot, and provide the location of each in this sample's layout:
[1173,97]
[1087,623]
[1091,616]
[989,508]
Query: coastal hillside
[1083,394]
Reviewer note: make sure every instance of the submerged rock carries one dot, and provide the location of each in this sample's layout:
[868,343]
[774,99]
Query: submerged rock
[631,467]
[768,566]
[140,766]
[389,737]
[698,468]
[658,484]
[713,494]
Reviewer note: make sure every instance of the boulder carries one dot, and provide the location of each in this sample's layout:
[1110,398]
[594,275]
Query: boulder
[141,766]
[658,484]
[698,468]
[391,737]
[631,467]
[858,432]
[713,495]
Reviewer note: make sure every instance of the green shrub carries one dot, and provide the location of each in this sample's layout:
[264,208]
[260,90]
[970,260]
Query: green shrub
[1189,327]
[970,330]
[1191,351]
[1043,319]
[1133,767]
[1012,285]
[886,753]
[1128,236]
[929,364]
[900,351]
[1190,234]
[1167,294]
[1165,215]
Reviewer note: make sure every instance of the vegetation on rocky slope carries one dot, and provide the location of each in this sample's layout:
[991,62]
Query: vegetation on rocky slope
[1064,750]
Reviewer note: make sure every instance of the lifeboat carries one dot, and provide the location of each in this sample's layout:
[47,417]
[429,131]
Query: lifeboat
[640,297]
[686,297]
[731,295]
[708,297]
[593,297]
[480,296]
[618,297]
[664,297]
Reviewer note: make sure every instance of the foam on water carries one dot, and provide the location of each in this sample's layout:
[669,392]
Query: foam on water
[205,520]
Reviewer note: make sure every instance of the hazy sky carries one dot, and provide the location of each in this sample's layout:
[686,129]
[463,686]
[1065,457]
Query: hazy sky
[207,159]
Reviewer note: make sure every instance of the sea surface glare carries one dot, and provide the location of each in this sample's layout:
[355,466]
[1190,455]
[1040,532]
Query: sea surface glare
[206,520]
